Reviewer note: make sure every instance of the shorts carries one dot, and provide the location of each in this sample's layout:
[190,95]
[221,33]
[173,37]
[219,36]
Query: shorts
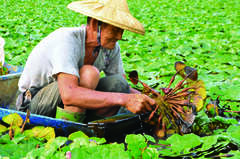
[44,101]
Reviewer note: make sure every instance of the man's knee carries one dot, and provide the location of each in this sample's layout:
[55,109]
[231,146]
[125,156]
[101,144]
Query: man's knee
[89,76]
[113,83]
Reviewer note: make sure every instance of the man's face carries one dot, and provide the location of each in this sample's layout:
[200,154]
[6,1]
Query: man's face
[110,35]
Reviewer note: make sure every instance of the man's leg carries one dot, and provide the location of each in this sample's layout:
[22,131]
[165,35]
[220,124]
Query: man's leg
[113,83]
[46,100]
[89,78]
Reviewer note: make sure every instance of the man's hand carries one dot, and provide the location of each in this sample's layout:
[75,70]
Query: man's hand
[139,103]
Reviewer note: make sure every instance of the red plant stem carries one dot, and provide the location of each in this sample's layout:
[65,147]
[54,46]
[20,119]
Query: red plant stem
[185,90]
[174,112]
[152,90]
[163,127]
[180,84]
[175,99]
[159,119]
[11,133]
[162,145]
[146,86]
[151,115]
[232,111]
[26,119]
[177,86]
[179,109]
[172,79]
[179,102]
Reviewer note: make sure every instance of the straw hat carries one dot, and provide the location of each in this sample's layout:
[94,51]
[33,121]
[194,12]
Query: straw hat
[114,12]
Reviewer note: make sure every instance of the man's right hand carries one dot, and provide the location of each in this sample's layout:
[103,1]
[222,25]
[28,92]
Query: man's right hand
[139,103]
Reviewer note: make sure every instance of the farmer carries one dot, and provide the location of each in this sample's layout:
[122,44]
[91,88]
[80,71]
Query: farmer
[62,74]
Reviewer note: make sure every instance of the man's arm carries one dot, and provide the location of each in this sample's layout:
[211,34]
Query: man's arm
[134,91]
[74,95]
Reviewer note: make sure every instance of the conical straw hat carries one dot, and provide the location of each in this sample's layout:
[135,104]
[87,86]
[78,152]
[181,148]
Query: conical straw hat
[114,12]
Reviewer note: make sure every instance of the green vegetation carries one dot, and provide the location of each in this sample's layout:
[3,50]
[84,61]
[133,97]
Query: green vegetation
[203,34]
[40,142]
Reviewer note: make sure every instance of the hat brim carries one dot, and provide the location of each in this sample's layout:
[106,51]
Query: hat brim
[108,15]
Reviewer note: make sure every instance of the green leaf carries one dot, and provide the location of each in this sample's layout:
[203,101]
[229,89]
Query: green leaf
[78,134]
[208,142]
[149,138]
[3,128]
[56,142]
[97,140]
[235,154]
[182,144]
[18,138]
[47,133]
[79,142]
[110,151]
[13,119]
[135,144]
[233,131]
[5,139]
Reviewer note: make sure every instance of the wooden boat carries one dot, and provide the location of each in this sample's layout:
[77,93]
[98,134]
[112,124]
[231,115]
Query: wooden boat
[113,129]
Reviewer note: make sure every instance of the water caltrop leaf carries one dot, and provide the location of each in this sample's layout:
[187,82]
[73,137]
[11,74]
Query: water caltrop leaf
[179,66]
[97,140]
[135,144]
[78,142]
[78,134]
[3,128]
[193,75]
[198,102]
[235,154]
[200,89]
[47,133]
[208,142]
[108,151]
[16,129]
[56,142]
[13,119]
[182,144]
[234,132]
[199,95]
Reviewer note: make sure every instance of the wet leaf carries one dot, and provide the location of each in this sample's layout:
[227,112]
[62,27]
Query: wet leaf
[179,67]
[78,134]
[199,95]
[47,133]
[108,151]
[135,144]
[208,142]
[13,119]
[235,154]
[79,142]
[97,140]
[3,128]
[193,75]
[212,110]
[55,143]
[182,144]
[234,131]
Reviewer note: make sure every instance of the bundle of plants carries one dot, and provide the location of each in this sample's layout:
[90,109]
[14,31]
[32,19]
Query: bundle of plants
[176,106]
